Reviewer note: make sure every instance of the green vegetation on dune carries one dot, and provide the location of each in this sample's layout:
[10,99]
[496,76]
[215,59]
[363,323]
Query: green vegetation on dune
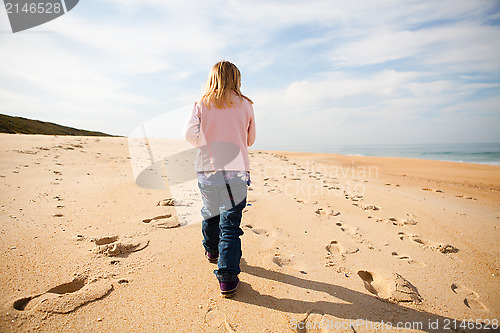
[9,124]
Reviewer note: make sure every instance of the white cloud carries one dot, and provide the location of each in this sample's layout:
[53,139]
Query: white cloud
[451,46]
[362,64]
[330,90]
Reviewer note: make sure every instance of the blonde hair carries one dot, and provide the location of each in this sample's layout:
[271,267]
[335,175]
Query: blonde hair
[224,79]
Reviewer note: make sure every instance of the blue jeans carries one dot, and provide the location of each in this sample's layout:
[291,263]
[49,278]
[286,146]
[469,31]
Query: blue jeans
[222,210]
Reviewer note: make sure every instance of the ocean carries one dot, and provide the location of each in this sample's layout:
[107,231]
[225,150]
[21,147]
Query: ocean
[479,153]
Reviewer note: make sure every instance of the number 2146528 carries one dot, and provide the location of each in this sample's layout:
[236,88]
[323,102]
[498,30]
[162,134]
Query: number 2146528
[34,8]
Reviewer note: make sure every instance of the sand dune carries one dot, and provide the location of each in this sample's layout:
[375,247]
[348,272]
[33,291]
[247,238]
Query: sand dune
[331,244]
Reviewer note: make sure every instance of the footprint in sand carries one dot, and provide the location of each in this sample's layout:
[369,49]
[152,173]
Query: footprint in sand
[347,229]
[173,202]
[261,231]
[370,207]
[320,211]
[356,198]
[407,259]
[336,253]
[65,297]
[337,248]
[334,249]
[282,260]
[334,213]
[446,248]
[399,222]
[394,288]
[112,246]
[469,297]
[163,221]
[216,319]
[258,231]
[300,201]
[416,238]
[443,248]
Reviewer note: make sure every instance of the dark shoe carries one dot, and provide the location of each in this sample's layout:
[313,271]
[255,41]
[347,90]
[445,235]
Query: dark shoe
[228,288]
[212,257]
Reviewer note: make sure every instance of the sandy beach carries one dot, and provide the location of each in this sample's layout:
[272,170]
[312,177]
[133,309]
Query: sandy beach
[331,243]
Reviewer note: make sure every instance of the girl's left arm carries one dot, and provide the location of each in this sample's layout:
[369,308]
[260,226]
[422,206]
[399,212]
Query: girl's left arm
[251,129]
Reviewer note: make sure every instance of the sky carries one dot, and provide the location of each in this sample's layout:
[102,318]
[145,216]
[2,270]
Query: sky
[319,72]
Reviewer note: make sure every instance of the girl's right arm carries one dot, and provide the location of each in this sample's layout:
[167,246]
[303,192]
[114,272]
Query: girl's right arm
[192,127]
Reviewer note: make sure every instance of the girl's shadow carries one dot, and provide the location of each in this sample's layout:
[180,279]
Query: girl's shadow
[359,306]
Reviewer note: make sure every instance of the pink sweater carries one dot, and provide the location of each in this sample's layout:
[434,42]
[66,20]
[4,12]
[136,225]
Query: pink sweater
[222,135]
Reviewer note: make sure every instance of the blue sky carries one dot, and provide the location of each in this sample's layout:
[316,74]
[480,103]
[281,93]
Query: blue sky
[319,72]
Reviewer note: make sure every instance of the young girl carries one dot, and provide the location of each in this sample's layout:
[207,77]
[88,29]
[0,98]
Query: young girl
[222,126]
